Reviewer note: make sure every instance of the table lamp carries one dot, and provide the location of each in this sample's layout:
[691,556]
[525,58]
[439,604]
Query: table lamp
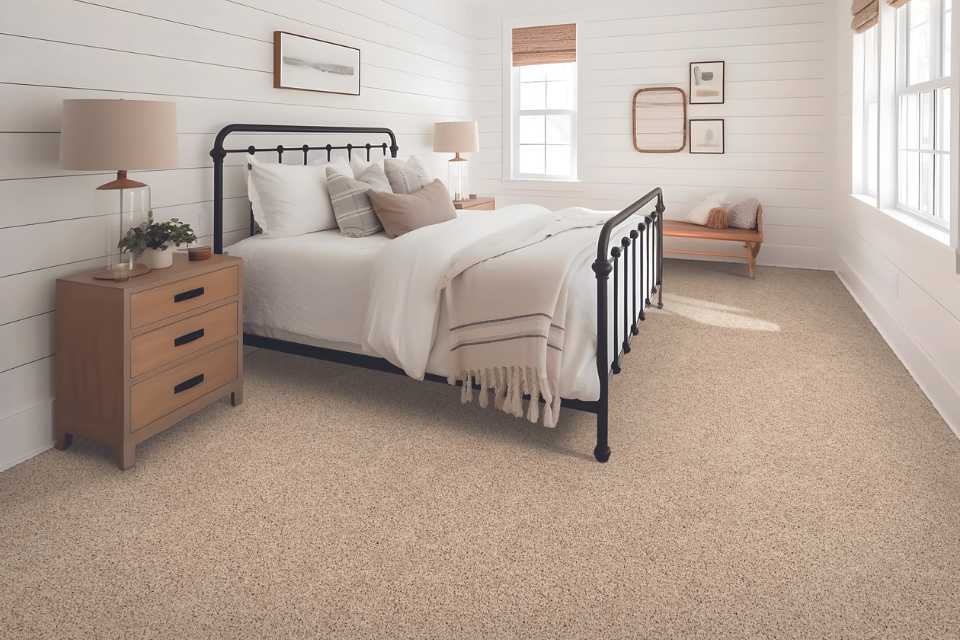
[120,135]
[457,138]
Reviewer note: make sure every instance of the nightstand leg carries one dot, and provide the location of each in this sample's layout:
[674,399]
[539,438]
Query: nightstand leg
[63,441]
[128,455]
[236,397]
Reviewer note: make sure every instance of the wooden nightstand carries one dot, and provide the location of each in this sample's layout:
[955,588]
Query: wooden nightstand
[482,203]
[134,358]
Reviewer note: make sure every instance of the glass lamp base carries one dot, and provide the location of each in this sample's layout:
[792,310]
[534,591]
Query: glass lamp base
[459,178]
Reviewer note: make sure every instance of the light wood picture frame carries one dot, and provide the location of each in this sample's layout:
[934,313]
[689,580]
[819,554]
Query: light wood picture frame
[708,82]
[309,64]
[659,120]
[708,136]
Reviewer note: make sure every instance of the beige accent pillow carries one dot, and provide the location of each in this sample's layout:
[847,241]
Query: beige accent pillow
[402,213]
[743,215]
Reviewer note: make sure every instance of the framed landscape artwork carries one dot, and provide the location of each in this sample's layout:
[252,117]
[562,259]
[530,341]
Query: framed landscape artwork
[707,82]
[314,65]
[707,136]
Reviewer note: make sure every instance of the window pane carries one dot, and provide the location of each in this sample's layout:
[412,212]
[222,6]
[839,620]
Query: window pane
[563,71]
[947,36]
[943,188]
[926,183]
[531,129]
[531,159]
[533,72]
[926,120]
[913,121]
[902,123]
[943,119]
[532,95]
[918,39]
[558,129]
[902,177]
[559,94]
[558,160]
[913,181]
[872,148]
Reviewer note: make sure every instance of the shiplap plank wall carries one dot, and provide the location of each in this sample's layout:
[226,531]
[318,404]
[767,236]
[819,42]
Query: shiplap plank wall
[214,58]
[778,110]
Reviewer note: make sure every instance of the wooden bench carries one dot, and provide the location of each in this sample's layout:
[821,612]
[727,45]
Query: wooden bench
[751,239]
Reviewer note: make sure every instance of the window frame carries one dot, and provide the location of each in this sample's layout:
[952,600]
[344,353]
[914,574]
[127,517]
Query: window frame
[933,86]
[510,133]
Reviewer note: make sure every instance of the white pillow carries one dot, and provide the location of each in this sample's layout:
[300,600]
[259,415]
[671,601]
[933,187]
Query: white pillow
[289,199]
[358,164]
[700,213]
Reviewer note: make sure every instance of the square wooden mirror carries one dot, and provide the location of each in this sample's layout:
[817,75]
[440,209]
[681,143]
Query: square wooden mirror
[660,120]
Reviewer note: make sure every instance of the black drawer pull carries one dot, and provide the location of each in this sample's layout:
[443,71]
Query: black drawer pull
[188,338]
[187,295]
[188,384]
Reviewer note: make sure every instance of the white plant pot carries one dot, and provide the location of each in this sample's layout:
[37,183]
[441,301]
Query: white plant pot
[157,259]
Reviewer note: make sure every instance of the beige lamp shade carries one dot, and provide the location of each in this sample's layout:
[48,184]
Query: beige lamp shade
[114,135]
[456,137]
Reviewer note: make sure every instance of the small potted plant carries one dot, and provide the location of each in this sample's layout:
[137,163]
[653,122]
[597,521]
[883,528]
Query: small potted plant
[151,241]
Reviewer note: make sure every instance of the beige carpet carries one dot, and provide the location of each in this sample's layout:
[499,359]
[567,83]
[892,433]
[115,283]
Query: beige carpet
[775,473]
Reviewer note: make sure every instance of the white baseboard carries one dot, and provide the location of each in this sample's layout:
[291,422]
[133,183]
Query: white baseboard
[937,387]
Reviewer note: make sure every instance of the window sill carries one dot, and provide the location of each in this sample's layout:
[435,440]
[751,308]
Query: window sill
[539,180]
[928,229]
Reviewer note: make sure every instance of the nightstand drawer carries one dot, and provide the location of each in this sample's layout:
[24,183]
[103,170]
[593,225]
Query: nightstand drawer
[154,398]
[157,348]
[172,299]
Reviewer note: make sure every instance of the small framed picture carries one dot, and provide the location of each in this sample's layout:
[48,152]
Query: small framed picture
[707,136]
[707,82]
[309,64]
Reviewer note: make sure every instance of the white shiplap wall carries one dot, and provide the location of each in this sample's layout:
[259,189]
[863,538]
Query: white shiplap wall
[778,111]
[214,58]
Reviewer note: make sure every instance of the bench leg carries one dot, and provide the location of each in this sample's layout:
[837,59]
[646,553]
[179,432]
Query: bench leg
[753,249]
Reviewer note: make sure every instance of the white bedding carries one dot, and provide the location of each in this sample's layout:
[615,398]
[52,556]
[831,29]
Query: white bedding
[317,288]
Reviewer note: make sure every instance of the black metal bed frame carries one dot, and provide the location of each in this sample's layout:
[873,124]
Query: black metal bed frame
[634,241]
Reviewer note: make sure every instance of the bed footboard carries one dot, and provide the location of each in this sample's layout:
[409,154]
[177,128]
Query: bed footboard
[630,252]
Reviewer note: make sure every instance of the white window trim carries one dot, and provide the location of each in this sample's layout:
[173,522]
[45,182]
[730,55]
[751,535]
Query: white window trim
[507,113]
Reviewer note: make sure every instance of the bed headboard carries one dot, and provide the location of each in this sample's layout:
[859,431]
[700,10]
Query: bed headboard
[220,152]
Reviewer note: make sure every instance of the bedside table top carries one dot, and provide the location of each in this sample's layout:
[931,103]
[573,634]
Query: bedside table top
[182,268]
[475,203]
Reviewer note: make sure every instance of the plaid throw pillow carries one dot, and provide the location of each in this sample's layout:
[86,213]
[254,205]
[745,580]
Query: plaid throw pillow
[351,204]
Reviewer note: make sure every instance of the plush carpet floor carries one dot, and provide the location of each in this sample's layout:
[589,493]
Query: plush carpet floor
[775,473]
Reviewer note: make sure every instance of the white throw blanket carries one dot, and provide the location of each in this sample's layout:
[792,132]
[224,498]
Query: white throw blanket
[413,271]
[507,303]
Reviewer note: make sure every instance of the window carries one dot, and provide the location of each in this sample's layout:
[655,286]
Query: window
[545,121]
[867,110]
[923,109]
[543,103]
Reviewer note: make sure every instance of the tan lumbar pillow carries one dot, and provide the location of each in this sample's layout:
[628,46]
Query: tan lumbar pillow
[402,213]
[717,218]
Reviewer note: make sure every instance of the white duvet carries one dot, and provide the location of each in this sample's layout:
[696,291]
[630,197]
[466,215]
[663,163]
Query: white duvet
[380,296]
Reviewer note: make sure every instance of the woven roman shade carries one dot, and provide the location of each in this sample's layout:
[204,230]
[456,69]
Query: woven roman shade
[545,45]
[897,3]
[866,14]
